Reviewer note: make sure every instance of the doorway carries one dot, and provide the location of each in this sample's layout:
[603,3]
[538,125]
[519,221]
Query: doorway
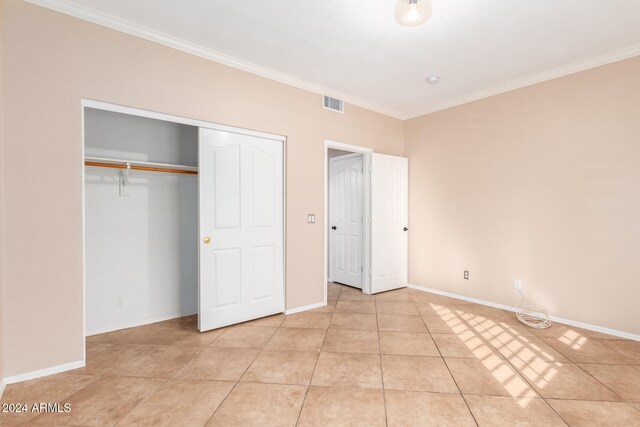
[347,207]
[373,237]
[180,216]
[346,218]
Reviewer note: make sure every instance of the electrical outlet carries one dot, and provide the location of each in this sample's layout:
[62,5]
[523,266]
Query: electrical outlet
[518,284]
[466,275]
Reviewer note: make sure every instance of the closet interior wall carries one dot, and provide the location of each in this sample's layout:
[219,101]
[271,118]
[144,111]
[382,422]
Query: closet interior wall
[141,248]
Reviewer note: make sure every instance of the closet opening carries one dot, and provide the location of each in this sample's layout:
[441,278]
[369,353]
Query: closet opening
[141,220]
[182,217]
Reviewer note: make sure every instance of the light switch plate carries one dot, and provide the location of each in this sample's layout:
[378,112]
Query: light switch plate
[311,218]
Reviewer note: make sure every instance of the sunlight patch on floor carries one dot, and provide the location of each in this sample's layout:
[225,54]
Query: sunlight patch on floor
[482,335]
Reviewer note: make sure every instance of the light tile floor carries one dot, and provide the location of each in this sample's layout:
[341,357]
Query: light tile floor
[404,357]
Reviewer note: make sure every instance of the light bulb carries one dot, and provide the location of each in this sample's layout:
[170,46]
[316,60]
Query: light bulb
[412,13]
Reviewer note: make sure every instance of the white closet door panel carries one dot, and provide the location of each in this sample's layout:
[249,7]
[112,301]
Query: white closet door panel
[226,179]
[263,273]
[346,215]
[263,188]
[227,264]
[389,217]
[241,211]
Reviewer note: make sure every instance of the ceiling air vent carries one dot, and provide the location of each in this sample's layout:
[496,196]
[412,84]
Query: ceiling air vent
[333,104]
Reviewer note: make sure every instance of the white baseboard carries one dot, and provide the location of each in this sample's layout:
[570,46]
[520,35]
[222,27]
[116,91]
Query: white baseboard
[304,308]
[556,319]
[138,323]
[3,384]
[44,372]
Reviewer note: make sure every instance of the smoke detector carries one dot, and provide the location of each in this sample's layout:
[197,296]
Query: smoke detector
[433,79]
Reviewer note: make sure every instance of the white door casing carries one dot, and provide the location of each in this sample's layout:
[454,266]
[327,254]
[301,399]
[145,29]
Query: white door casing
[389,220]
[346,222]
[241,212]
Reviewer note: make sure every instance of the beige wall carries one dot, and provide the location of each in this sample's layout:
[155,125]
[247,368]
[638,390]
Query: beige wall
[540,184]
[52,61]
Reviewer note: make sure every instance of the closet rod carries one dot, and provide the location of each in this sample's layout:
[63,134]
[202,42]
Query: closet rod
[141,168]
[137,165]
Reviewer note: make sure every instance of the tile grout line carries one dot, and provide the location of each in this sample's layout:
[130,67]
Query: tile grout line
[97,378]
[448,369]
[569,361]
[542,338]
[142,400]
[597,380]
[534,389]
[106,375]
[173,377]
[604,342]
[478,327]
[384,391]
[317,360]
[243,373]
[518,373]
[586,372]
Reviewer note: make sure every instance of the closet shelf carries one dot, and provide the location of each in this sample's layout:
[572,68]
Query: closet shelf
[138,165]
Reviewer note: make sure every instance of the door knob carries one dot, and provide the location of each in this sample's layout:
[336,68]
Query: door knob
[206,240]
[334,228]
[405,229]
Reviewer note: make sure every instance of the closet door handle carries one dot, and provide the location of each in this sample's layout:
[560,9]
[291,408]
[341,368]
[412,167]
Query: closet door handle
[405,229]
[334,228]
[206,240]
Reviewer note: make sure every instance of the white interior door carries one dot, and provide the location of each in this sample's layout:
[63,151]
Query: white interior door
[241,228]
[389,219]
[346,227]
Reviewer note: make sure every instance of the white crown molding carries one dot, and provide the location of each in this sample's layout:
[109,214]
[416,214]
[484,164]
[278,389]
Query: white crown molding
[533,79]
[587,326]
[133,29]
[127,27]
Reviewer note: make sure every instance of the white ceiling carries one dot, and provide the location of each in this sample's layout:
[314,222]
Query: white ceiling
[354,49]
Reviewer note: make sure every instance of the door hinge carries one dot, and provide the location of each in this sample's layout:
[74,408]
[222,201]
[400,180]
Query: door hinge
[361,268]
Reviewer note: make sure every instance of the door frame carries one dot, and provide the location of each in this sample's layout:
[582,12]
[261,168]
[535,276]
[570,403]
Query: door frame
[117,108]
[366,189]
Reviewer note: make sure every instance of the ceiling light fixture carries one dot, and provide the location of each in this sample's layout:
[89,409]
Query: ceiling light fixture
[412,13]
